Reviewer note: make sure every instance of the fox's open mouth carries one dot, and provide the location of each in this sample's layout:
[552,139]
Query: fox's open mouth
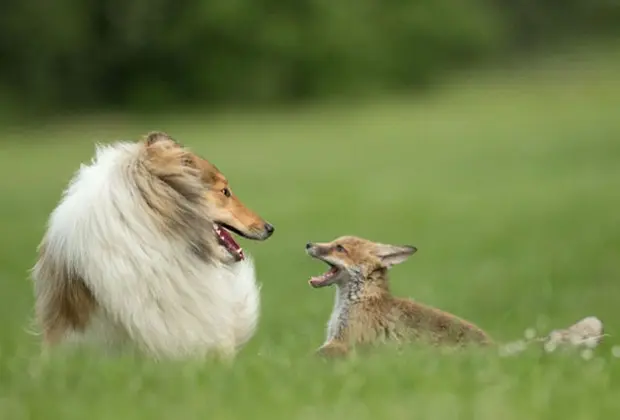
[227,241]
[326,278]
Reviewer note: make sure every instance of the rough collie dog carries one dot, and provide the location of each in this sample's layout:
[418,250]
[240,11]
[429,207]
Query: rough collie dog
[138,255]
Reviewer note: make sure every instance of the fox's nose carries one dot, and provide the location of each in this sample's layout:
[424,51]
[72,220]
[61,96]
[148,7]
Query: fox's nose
[309,245]
[269,228]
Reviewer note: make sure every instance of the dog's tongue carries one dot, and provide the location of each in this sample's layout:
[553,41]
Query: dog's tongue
[227,237]
[230,242]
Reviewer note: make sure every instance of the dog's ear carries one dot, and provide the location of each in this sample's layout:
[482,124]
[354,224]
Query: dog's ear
[173,164]
[159,137]
[160,144]
[391,255]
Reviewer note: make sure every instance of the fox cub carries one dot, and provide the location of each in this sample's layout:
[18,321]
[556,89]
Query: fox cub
[365,311]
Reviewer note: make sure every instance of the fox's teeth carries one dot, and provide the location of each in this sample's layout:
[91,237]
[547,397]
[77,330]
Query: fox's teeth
[322,276]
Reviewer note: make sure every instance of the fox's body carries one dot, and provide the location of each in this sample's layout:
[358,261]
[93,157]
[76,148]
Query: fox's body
[385,317]
[365,311]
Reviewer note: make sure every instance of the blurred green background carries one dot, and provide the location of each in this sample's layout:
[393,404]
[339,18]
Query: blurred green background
[148,53]
[486,133]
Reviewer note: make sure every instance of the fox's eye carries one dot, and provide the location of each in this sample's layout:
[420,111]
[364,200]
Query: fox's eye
[340,248]
[226,192]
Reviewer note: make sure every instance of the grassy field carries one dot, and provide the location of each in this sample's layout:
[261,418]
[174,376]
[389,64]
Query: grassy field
[509,185]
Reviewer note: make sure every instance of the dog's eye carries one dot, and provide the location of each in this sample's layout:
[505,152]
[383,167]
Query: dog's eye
[226,192]
[340,248]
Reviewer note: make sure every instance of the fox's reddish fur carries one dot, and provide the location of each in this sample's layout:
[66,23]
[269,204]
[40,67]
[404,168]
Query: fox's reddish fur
[366,312]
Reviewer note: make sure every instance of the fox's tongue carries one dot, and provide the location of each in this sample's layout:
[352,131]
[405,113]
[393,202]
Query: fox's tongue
[323,279]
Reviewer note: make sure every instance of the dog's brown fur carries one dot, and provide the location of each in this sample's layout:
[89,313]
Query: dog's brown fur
[369,313]
[67,305]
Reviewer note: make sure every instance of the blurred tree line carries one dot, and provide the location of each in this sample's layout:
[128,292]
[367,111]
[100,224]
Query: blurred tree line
[73,53]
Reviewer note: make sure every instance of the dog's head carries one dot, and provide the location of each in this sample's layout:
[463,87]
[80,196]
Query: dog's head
[201,195]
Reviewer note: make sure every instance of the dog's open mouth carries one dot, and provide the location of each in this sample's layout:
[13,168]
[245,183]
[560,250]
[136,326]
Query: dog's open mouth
[227,241]
[326,278]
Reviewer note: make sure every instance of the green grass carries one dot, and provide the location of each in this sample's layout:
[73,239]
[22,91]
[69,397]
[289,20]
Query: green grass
[508,185]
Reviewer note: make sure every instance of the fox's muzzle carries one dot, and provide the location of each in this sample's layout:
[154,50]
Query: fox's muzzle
[314,250]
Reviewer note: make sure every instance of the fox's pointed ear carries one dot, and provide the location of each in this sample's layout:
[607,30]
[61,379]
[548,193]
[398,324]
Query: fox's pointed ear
[394,254]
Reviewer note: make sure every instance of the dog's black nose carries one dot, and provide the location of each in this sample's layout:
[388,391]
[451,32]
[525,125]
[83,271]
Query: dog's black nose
[309,245]
[269,228]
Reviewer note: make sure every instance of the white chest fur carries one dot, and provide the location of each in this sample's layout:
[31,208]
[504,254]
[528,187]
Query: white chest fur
[339,318]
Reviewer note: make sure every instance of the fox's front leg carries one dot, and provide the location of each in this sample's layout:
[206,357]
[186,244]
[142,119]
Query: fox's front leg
[333,348]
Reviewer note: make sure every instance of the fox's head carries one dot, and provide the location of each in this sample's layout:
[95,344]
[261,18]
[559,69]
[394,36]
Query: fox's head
[350,257]
[182,169]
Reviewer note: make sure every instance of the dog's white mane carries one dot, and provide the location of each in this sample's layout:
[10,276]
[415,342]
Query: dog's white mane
[151,292]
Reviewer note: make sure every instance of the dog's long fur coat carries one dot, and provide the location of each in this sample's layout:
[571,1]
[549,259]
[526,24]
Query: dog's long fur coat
[130,259]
